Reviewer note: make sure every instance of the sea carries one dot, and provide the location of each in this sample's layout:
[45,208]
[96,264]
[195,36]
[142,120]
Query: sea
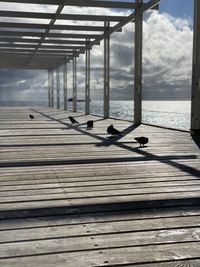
[170,114]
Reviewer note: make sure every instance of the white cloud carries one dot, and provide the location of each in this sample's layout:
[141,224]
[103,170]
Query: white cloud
[167,48]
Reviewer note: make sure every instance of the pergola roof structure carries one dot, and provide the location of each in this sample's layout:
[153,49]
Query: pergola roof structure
[60,36]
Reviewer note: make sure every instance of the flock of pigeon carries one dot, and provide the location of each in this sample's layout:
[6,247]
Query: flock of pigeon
[142,140]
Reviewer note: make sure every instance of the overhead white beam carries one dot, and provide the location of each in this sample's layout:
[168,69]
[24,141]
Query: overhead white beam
[152,4]
[35,41]
[86,3]
[57,15]
[38,56]
[41,50]
[49,35]
[51,23]
[22,62]
[40,15]
[13,40]
[67,48]
[53,27]
[128,19]
[18,40]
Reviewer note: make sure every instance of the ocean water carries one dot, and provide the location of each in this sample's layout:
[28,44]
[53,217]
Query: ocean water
[172,114]
[23,104]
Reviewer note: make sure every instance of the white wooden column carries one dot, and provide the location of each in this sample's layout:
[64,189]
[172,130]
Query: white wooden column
[87,81]
[58,86]
[195,107]
[106,70]
[49,88]
[74,85]
[138,64]
[65,85]
[52,88]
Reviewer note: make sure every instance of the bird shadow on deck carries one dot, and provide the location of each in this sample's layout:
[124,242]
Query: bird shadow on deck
[113,139]
[168,160]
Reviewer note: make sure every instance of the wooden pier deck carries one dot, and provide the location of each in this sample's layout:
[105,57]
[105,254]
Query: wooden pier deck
[76,197]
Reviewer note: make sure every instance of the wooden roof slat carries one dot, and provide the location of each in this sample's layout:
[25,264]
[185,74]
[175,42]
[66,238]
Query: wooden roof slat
[131,17]
[152,4]
[84,3]
[35,41]
[49,35]
[27,55]
[40,15]
[19,40]
[30,50]
[36,63]
[39,33]
[53,27]
[61,47]
[51,23]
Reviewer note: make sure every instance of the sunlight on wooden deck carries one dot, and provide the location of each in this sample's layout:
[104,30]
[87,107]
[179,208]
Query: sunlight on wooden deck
[77,197]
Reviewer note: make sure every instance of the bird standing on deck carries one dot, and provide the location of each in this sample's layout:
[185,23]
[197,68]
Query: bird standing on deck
[90,124]
[72,119]
[142,140]
[111,130]
[31,116]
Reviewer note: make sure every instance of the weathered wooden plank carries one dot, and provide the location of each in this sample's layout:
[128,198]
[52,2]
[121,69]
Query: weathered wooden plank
[112,216]
[86,184]
[62,243]
[62,205]
[110,203]
[61,193]
[176,225]
[111,257]
[74,191]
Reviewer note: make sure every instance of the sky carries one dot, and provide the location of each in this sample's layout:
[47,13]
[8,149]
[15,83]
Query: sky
[178,8]
[167,59]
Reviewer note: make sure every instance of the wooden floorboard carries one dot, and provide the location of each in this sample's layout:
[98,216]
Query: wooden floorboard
[76,197]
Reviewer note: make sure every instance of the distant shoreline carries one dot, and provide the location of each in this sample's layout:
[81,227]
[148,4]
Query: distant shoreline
[43,103]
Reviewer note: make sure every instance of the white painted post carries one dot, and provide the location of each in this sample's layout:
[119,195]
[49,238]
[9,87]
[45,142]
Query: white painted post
[65,85]
[195,105]
[52,88]
[106,70]
[58,86]
[49,88]
[87,80]
[74,85]
[138,64]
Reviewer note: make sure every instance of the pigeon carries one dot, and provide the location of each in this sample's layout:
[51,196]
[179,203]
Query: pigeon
[72,119]
[111,130]
[31,116]
[90,124]
[142,140]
